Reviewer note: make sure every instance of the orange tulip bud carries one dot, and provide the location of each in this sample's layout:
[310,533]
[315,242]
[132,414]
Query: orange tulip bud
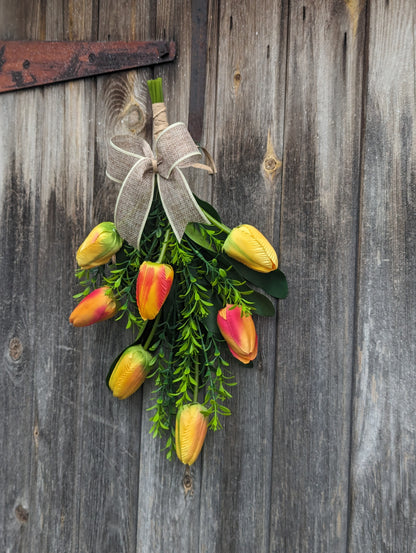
[190,431]
[247,245]
[99,246]
[99,305]
[239,332]
[130,371]
[152,288]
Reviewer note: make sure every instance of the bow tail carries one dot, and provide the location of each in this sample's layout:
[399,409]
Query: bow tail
[134,202]
[179,203]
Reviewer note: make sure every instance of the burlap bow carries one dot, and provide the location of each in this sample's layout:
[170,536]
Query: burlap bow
[132,164]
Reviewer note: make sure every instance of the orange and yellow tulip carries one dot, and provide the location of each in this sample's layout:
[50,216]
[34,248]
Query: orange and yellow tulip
[130,371]
[99,305]
[99,246]
[247,245]
[152,288]
[239,332]
[190,431]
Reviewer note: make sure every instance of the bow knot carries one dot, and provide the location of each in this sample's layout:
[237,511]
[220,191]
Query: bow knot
[154,165]
[132,164]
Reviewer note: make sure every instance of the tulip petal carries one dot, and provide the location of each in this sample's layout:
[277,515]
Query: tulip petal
[129,372]
[247,245]
[98,306]
[239,332]
[190,431]
[99,246]
[153,286]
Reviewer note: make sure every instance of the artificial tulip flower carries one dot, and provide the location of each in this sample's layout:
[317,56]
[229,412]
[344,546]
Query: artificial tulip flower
[130,372]
[99,246]
[239,332]
[99,305]
[152,288]
[247,245]
[190,431]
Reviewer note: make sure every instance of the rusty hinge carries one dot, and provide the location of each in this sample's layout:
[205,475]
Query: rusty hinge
[29,63]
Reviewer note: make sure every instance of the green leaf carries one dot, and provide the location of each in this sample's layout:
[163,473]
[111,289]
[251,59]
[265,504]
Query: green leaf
[274,283]
[210,321]
[193,232]
[208,208]
[262,305]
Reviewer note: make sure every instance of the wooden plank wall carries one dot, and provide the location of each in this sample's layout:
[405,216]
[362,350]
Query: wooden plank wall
[319,454]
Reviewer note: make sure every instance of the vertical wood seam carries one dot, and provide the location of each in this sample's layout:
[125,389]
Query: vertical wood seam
[77,504]
[143,409]
[357,265]
[276,366]
[218,2]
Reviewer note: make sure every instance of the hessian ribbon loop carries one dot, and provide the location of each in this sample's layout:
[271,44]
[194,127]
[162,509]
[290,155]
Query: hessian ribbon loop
[132,164]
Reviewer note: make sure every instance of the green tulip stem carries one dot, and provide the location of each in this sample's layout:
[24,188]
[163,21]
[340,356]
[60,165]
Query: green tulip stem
[196,382]
[152,332]
[155,90]
[164,247]
[216,223]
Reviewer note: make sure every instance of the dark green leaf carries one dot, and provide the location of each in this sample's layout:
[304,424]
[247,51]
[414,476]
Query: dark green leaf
[194,233]
[208,208]
[210,320]
[274,283]
[262,305]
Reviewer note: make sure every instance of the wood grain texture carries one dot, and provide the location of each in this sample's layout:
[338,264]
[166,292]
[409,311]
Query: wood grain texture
[17,320]
[319,225]
[46,498]
[110,440]
[249,55]
[383,467]
[318,455]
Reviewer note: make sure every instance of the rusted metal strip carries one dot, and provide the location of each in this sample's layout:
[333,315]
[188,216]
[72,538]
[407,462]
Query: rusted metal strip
[199,13]
[25,64]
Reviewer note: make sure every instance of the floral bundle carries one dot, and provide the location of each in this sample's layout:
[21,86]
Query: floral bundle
[181,279]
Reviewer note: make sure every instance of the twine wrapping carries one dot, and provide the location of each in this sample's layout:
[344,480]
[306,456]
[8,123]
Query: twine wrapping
[132,164]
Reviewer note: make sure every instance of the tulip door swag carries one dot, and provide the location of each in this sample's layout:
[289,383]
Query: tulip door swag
[181,279]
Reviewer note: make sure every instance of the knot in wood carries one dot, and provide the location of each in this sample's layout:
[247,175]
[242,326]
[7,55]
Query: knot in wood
[21,513]
[271,164]
[15,349]
[188,482]
[134,117]
[236,80]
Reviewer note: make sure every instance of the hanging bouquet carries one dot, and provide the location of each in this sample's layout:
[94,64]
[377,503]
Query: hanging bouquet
[181,279]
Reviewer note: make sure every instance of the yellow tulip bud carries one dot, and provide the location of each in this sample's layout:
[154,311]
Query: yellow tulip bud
[130,372]
[190,431]
[247,245]
[99,246]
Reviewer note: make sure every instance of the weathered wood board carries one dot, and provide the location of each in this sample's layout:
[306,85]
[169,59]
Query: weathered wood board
[310,115]
[383,447]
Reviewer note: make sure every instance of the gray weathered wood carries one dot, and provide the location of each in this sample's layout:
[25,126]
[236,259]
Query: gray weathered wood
[318,234]
[249,54]
[383,462]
